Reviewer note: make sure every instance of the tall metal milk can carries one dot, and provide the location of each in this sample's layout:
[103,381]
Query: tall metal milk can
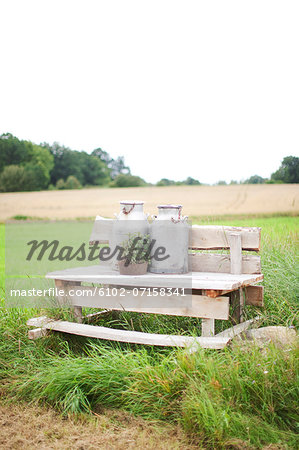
[170,230]
[130,219]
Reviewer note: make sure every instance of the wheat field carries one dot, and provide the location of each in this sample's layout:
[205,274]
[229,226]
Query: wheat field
[196,201]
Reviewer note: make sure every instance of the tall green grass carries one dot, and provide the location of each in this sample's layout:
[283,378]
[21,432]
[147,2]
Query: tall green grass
[217,397]
[223,399]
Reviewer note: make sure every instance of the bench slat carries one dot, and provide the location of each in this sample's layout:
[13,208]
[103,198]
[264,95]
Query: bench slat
[203,237]
[211,262]
[134,337]
[254,295]
[172,305]
[215,237]
[196,280]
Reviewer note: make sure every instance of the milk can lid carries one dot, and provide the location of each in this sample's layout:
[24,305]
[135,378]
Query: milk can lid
[131,202]
[170,206]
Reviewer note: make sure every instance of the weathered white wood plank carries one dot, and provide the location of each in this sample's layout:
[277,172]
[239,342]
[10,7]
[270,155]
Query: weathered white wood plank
[212,262]
[37,333]
[208,324]
[135,337]
[92,316]
[77,310]
[197,280]
[143,302]
[202,236]
[237,302]
[44,320]
[216,237]
[254,295]
[102,230]
[37,321]
[239,328]
[208,327]
[235,245]
[78,314]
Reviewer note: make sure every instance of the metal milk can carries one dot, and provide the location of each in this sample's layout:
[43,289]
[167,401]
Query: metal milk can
[170,230]
[130,219]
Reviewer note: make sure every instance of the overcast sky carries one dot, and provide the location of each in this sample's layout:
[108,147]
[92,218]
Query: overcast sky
[208,89]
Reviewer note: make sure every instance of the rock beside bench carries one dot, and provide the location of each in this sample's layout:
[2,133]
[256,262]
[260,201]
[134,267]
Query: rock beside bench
[278,335]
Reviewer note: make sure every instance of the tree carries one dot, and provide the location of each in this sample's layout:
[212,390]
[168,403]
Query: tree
[39,167]
[127,181]
[102,155]
[36,177]
[191,181]
[88,169]
[166,182]
[12,179]
[12,151]
[66,162]
[116,166]
[40,154]
[34,164]
[30,177]
[95,171]
[49,165]
[255,179]
[288,171]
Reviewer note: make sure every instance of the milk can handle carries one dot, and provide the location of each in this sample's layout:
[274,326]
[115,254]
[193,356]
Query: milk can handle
[180,219]
[130,210]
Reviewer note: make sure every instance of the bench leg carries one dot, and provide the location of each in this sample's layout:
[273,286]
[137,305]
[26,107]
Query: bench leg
[77,310]
[237,302]
[208,327]
[78,314]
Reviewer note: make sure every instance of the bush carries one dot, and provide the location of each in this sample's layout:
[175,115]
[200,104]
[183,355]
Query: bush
[35,177]
[30,165]
[72,183]
[12,179]
[166,182]
[60,184]
[127,181]
[255,179]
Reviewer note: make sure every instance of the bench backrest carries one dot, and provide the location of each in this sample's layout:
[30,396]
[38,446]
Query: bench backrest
[208,237]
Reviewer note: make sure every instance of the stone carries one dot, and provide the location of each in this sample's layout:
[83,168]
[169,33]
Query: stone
[278,335]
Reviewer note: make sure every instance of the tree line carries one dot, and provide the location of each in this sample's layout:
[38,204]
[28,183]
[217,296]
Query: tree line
[288,172]
[25,166]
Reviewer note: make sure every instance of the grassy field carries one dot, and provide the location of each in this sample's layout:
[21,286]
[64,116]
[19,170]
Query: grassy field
[225,399]
[197,200]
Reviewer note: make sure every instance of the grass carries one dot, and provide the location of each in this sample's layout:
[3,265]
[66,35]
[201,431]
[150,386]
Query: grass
[225,399]
[24,426]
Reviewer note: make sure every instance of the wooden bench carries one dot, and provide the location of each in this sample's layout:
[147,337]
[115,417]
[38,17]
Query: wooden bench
[221,286]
